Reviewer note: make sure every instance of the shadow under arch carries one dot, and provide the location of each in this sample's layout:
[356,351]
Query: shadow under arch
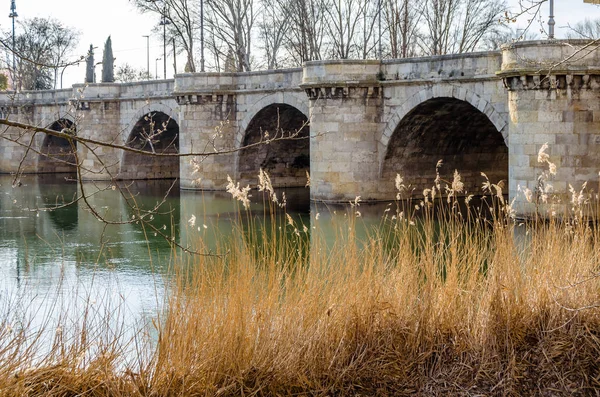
[155,132]
[57,155]
[287,160]
[447,129]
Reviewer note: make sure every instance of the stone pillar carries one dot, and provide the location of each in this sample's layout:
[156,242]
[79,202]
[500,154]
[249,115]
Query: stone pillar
[14,157]
[207,125]
[345,113]
[553,89]
[98,117]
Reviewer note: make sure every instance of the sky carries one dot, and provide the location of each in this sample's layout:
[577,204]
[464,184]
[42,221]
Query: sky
[97,19]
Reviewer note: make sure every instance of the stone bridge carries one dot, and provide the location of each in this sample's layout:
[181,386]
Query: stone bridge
[353,125]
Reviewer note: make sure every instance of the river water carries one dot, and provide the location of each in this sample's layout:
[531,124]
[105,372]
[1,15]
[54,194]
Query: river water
[57,258]
[59,263]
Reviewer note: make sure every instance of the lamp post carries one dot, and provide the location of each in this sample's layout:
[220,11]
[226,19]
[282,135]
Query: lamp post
[147,56]
[379,28]
[202,35]
[156,67]
[551,22]
[13,14]
[164,22]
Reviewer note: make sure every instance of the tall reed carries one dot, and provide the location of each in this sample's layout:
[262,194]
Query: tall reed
[439,299]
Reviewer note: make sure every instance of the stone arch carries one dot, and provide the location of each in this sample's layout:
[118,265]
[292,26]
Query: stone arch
[286,161]
[154,132]
[293,99]
[458,127]
[154,107]
[57,155]
[460,93]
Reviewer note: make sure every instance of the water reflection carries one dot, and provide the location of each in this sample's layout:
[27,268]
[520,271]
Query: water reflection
[56,194]
[50,249]
[50,252]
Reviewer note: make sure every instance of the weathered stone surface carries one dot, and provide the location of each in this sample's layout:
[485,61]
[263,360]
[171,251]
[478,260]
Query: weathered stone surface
[366,121]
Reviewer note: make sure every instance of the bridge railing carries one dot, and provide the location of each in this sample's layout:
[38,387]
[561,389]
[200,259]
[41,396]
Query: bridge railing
[476,64]
[151,88]
[260,80]
[41,97]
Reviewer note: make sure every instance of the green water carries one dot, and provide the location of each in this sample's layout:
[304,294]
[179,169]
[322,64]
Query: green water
[59,261]
[57,258]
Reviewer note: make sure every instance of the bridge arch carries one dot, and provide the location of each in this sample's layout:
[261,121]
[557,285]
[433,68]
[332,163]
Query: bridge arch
[286,161]
[156,130]
[57,155]
[456,126]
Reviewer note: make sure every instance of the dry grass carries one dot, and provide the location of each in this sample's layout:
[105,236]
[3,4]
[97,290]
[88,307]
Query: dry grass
[463,306]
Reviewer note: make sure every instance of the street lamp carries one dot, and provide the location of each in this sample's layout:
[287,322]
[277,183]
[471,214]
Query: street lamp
[147,56]
[13,14]
[379,28]
[156,68]
[202,35]
[551,22]
[164,22]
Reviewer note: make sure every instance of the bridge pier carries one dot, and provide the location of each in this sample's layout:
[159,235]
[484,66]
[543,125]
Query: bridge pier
[14,156]
[98,118]
[553,98]
[346,105]
[208,124]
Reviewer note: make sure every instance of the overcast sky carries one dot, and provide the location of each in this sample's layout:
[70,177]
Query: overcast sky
[96,20]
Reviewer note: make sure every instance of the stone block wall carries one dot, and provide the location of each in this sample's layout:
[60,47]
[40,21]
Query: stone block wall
[553,92]
[368,120]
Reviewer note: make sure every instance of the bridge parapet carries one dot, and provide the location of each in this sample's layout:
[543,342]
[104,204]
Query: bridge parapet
[47,97]
[148,89]
[268,80]
[479,65]
[558,56]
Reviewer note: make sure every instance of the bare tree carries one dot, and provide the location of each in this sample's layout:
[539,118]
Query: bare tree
[65,40]
[402,19]
[273,25]
[41,48]
[368,40]
[587,29]
[308,30]
[182,16]
[458,26]
[506,35]
[345,19]
[439,17]
[231,22]
[127,73]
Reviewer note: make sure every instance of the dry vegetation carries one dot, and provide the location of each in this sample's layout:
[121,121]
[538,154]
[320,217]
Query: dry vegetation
[433,302]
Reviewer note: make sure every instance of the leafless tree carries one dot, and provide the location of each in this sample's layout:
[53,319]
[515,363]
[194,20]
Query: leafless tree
[231,22]
[506,35]
[273,26]
[182,16]
[126,73]
[457,26]
[308,30]
[402,19]
[368,39]
[345,22]
[587,29]
[65,40]
[439,17]
[42,47]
